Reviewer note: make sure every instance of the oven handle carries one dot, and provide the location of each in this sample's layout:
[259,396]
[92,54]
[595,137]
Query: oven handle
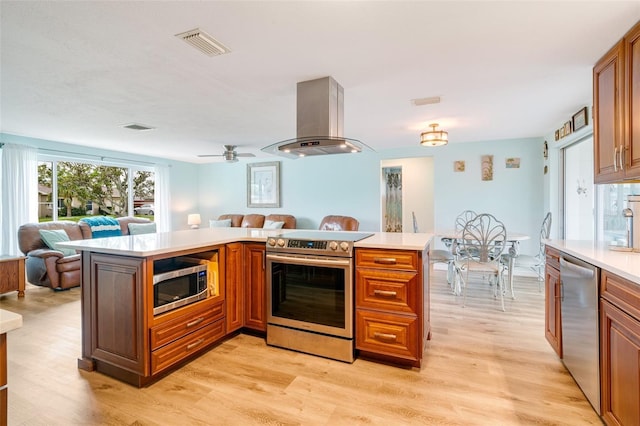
[310,260]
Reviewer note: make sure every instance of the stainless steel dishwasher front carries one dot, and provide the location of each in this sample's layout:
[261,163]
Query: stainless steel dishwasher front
[579,294]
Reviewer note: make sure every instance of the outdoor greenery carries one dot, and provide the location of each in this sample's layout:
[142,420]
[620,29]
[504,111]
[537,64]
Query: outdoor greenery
[107,186]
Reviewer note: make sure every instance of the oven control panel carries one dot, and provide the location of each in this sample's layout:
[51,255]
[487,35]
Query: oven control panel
[307,246]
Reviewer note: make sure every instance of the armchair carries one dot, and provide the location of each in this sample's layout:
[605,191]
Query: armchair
[339,223]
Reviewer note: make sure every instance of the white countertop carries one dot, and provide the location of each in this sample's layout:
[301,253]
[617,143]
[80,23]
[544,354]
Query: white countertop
[396,240]
[9,321]
[166,242]
[624,264]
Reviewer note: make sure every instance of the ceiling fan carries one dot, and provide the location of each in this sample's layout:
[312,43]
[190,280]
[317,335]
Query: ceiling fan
[230,155]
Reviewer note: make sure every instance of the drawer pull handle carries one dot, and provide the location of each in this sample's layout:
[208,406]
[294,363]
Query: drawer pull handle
[385,336]
[194,344]
[385,260]
[385,293]
[195,322]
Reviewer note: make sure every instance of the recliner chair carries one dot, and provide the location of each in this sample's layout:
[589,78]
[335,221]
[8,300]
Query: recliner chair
[339,223]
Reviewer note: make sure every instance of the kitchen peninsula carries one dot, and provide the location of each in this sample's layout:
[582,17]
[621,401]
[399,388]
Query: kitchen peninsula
[123,338]
[616,322]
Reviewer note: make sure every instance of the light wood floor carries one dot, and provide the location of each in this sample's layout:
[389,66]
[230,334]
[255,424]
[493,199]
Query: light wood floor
[483,367]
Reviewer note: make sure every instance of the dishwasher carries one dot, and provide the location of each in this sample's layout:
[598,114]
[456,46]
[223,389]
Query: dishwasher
[579,296]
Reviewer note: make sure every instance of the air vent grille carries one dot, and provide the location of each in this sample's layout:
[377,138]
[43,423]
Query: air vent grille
[203,42]
[426,101]
[136,126]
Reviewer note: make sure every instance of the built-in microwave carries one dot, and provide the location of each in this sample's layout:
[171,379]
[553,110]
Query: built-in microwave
[177,282]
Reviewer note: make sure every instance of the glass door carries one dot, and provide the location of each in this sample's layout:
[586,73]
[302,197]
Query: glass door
[579,191]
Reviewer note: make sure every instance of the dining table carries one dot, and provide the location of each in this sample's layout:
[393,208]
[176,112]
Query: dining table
[512,250]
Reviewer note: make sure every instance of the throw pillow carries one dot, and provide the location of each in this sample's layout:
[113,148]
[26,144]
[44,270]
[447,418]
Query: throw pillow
[141,228]
[269,224]
[52,237]
[224,223]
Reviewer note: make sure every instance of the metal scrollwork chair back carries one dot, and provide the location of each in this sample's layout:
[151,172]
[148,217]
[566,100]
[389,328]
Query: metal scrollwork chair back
[482,242]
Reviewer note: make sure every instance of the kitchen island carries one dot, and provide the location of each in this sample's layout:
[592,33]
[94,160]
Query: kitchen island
[8,321]
[123,338]
[618,319]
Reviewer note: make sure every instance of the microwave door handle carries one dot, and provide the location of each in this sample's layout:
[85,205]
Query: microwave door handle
[310,261]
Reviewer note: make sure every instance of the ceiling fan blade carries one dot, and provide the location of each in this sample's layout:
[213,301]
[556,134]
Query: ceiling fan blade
[245,154]
[209,155]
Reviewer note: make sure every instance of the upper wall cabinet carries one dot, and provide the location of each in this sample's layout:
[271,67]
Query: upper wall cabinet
[616,111]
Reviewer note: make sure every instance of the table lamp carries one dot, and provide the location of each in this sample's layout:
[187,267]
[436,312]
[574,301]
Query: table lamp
[193,220]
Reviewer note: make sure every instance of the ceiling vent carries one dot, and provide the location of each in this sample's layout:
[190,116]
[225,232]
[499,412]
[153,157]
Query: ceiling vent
[203,42]
[136,126]
[426,101]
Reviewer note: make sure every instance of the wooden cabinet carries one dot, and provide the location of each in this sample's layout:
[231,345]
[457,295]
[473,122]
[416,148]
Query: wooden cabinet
[12,275]
[122,337]
[553,313]
[255,304]
[392,304]
[234,286]
[177,339]
[616,111]
[620,350]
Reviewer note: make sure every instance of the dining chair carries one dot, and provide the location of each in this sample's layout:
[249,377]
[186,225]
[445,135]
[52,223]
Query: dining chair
[537,261]
[482,242]
[449,255]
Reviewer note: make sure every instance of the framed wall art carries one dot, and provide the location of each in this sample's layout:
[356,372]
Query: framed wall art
[263,184]
[487,167]
[580,119]
[458,166]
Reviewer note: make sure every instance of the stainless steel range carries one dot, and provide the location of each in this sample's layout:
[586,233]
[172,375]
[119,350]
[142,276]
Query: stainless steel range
[310,286]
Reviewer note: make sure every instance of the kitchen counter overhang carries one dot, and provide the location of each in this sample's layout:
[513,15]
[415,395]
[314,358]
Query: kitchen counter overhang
[624,264]
[146,245]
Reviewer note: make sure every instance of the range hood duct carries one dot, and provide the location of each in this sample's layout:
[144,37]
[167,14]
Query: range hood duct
[319,117]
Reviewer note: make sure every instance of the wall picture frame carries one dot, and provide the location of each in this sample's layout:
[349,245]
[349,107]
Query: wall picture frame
[263,184]
[580,119]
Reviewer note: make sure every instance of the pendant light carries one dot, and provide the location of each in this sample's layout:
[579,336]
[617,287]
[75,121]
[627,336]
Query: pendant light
[434,137]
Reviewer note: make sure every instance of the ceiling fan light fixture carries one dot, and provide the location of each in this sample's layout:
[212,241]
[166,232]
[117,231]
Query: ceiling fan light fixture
[434,137]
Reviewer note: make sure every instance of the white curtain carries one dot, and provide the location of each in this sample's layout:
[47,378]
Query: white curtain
[19,182]
[162,198]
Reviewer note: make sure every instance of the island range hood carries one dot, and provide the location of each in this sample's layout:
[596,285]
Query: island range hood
[319,123]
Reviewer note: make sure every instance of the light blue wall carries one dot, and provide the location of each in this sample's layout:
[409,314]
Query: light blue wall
[350,184]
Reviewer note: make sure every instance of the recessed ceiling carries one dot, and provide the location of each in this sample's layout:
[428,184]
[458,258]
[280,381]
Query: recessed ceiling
[75,71]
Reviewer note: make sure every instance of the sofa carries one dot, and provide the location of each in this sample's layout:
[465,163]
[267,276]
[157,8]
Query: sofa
[49,267]
[259,220]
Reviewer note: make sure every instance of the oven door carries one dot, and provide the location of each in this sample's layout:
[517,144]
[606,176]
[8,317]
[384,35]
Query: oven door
[312,293]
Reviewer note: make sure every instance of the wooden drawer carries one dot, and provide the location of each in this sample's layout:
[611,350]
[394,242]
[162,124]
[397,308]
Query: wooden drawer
[552,257]
[178,327]
[387,334]
[387,259]
[388,290]
[170,354]
[621,292]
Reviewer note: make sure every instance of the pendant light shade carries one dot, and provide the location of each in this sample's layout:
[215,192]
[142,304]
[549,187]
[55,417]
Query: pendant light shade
[434,137]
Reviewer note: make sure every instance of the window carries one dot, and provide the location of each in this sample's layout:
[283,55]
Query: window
[80,188]
[612,199]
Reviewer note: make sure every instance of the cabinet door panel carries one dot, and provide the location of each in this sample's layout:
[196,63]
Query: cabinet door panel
[234,290]
[620,353]
[608,94]
[553,315]
[117,312]
[632,78]
[255,291]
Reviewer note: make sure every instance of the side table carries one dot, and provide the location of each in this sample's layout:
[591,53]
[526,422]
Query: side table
[12,276]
